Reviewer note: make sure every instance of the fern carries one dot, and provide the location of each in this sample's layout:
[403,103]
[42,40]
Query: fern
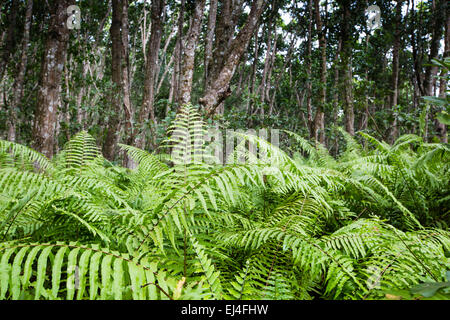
[308,226]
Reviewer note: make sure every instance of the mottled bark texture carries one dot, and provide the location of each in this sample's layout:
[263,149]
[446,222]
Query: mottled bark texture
[147,110]
[393,132]
[11,35]
[318,132]
[125,85]
[220,86]
[187,69]
[210,35]
[346,63]
[18,82]
[48,97]
[112,130]
[440,127]
[175,82]
[437,23]
[308,71]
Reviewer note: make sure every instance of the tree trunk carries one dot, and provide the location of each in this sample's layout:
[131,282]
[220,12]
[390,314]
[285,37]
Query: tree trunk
[319,119]
[440,127]
[437,27]
[210,36]
[10,42]
[223,25]
[308,72]
[112,134]
[262,86]
[346,54]
[18,83]
[220,87]
[175,85]
[336,93]
[431,70]
[147,109]
[48,97]
[187,69]
[393,134]
[125,84]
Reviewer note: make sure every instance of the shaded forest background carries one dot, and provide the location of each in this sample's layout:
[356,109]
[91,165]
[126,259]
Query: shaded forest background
[304,66]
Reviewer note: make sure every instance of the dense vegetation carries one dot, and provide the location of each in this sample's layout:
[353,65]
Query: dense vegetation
[112,186]
[291,225]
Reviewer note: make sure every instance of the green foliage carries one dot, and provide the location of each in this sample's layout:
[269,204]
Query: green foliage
[372,222]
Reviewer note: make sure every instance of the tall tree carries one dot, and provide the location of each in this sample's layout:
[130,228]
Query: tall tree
[187,69]
[395,69]
[48,97]
[147,109]
[438,9]
[309,70]
[125,83]
[116,77]
[10,42]
[440,127]
[319,119]
[220,86]
[346,63]
[210,35]
[18,82]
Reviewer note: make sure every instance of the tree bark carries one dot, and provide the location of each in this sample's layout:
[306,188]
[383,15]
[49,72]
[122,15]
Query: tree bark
[125,84]
[308,71]
[147,109]
[440,127]
[220,87]
[346,54]
[187,69]
[18,83]
[175,85]
[10,42]
[210,35]
[437,27]
[319,119]
[48,97]
[112,134]
[393,134]
[438,13]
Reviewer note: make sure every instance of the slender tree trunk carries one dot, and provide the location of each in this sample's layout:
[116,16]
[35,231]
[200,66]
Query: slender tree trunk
[440,127]
[220,87]
[437,26]
[393,134]
[147,109]
[262,85]
[346,54]
[174,88]
[309,73]
[210,35]
[336,93]
[112,134]
[223,25]
[125,84]
[48,97]
[438,13]
[187,70]
[10,42]
[319,119]
[252,88]
[18,83]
